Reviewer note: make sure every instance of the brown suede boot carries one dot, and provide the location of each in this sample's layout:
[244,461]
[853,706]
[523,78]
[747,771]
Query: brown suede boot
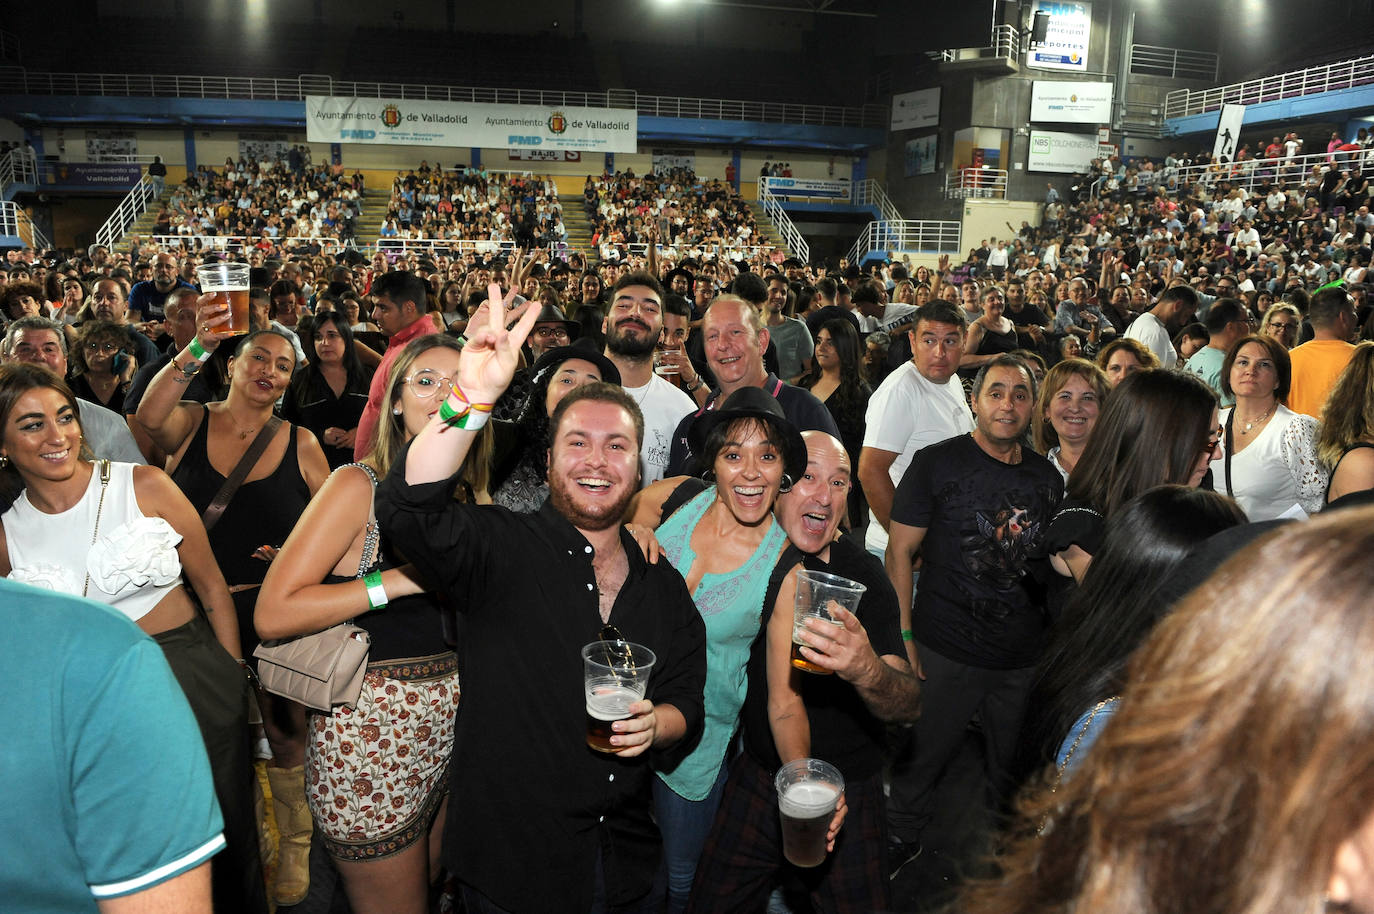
[293,823]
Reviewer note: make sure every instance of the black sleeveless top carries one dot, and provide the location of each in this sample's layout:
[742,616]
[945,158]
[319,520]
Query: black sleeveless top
[1354,447]
[261,513]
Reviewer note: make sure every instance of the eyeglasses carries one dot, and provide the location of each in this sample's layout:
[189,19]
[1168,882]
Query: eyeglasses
[548,333]
[103,347]
[425,384]
[1285,326]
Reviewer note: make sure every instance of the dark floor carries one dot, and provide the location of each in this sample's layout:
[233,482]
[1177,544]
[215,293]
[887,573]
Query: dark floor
[956,843]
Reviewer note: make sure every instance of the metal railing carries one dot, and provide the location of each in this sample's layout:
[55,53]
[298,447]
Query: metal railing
[1255,174]
[927,236]
[1345,74]
[869,192]
[134,204]
[17,166]
[15,222]
[235,244]
[787,231]
[18,81]
[963,183]
[1005,41]
[679,251]
[1173,63]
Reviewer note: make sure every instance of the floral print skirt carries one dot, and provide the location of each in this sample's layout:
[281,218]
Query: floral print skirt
[376,774]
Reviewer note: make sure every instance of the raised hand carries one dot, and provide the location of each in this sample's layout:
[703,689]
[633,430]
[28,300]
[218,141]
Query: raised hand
[492,351]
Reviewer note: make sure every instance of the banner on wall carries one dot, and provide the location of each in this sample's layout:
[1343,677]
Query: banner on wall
[114,175]
[665,160]
[415,122]
[914,110]
[807,187]
[1228,132]
[1066,153]
[1066,42]
[544,155]
[920,155]
[1072,102]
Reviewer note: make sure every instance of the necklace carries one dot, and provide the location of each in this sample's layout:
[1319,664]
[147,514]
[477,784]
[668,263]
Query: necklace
[1264,417]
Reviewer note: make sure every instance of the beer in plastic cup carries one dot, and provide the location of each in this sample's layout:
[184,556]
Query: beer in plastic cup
[662,366]
[615,675]
[229,284]
[817,594]
[808,791]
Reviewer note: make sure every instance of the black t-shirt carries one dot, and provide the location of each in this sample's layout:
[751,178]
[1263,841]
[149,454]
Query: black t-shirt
[985,523]
[830,313]
[843,732]
[1029,314]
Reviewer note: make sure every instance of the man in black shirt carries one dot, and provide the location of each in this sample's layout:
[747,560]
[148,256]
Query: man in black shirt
[843,717]
[537,820]
[976,506]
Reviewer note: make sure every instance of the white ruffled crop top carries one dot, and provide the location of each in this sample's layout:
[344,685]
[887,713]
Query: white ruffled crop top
[132,565]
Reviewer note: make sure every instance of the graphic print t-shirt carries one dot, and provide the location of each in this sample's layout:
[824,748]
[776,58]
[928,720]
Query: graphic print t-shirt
[985,523]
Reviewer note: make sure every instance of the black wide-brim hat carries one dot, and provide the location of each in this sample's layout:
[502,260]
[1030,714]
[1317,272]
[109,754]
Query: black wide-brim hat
[583,348]
[548,314]
[752,403]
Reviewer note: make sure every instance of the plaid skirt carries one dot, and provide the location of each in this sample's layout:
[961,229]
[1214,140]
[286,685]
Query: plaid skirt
[376,774]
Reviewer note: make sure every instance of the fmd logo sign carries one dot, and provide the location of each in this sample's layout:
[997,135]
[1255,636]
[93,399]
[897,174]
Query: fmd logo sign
[514,140]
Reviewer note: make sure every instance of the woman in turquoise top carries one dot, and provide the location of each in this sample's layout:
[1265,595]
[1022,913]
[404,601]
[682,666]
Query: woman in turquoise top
[725,543]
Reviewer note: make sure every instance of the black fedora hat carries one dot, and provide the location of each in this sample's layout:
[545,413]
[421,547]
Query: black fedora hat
[549,314]
[578,349]
[752,403]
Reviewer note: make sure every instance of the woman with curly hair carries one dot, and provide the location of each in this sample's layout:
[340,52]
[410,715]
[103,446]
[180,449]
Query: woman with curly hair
[101,364]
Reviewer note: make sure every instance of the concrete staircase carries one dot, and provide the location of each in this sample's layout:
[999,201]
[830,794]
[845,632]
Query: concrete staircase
[368,227]
[768,233]
[578,225]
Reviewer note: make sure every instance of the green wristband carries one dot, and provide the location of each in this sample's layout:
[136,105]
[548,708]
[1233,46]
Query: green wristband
[376,593]
[908,635]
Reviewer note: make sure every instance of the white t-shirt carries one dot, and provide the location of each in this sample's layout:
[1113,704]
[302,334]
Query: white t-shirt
[1150,330]
[906,413]
[663,406]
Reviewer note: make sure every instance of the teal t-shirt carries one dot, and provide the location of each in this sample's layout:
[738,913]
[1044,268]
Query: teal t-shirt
[108,787]
[731,605]
[1206,364]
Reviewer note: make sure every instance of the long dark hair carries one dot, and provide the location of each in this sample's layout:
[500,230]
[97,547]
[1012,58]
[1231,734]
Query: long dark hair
[1116,607]
[853,392]
[17,379]
[1240,759]
[306,328]
[1151,432]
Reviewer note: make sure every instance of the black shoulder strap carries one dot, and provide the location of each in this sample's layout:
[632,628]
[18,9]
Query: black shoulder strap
[240,472]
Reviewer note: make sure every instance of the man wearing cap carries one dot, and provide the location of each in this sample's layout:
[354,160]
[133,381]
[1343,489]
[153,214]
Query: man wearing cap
[400,310]
[734,339]
[633,326]
[525,786]
[846,713]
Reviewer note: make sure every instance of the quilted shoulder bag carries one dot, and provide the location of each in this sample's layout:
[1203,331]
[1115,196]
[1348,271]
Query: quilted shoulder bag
[324,669]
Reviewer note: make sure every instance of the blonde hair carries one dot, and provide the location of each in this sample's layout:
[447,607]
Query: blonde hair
[391,429]
[1348,415]
[1240,759]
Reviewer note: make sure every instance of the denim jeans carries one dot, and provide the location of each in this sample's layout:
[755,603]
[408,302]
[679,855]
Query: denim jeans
[685,825]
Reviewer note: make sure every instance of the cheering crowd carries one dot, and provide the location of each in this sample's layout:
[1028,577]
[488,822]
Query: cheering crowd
[1074,475]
